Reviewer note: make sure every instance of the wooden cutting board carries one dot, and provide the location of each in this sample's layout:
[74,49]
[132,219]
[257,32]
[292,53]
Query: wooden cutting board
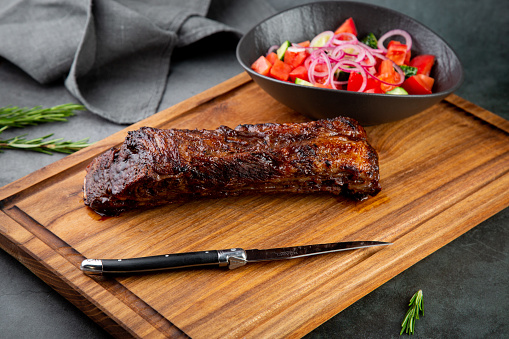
[443,171]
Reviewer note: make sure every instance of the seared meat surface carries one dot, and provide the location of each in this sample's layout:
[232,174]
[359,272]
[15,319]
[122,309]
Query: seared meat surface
[154,167]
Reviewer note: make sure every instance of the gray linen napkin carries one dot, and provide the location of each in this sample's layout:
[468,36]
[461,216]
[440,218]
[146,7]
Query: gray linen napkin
[114,55]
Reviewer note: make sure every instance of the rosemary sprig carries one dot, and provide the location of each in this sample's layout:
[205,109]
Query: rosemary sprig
[44,146]
[408,325]
[13,116]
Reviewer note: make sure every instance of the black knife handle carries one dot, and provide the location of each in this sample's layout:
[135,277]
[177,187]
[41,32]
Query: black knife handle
[163,262]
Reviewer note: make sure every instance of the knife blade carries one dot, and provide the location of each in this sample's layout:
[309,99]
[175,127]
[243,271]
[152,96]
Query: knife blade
[232,258]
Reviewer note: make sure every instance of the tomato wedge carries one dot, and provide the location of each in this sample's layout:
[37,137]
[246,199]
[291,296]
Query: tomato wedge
[300,72]
[373,86]
[322,85]
[386,67]
[424,63]
[272,57]
[304,43]
[262,66]
[280,70]
[295,56]
[418,84]
[347,27]
[397,52]
[355,83]
[388,74]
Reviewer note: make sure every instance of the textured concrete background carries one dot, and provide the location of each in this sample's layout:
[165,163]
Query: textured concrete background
[465,283]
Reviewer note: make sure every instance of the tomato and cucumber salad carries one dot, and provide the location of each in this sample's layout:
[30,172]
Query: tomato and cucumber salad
[339,60]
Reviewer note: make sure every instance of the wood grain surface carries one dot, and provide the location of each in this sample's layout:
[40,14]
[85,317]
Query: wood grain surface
[443,171]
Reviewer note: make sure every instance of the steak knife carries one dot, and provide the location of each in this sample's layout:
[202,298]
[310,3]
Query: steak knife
[231,258]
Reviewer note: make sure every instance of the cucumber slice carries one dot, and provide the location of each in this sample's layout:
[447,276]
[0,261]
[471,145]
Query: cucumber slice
[397,91]
[282,50]
[321,39]
[299,81]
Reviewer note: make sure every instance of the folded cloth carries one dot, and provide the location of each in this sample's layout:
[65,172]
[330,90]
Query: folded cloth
[114,55]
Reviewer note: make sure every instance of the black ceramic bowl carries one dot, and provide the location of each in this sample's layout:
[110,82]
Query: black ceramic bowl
[304,22]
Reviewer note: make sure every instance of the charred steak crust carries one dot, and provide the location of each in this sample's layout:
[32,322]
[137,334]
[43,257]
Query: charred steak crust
[154,166]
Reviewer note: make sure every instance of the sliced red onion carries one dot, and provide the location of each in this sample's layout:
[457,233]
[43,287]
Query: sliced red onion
[359,54]
[312,73]
[297,45]
[308,61]
[329,68]
[386,82]
[322,58]
[396,67]
[296,49]
[371,50]
[380,56]
[336,83]
[318,52]
[354,67]
[272,49]
[337,54]
[370,57]
[336,40]
[404,34]
[400,72]
[349,66]
[401,77]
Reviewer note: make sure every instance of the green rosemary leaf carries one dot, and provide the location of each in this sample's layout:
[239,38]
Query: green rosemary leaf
[43,144]
[13,116]
[408,324]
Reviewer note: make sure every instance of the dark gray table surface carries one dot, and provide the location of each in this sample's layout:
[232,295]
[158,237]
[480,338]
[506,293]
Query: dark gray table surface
[465,283]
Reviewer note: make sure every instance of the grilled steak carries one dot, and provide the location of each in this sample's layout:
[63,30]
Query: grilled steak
[154,167]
